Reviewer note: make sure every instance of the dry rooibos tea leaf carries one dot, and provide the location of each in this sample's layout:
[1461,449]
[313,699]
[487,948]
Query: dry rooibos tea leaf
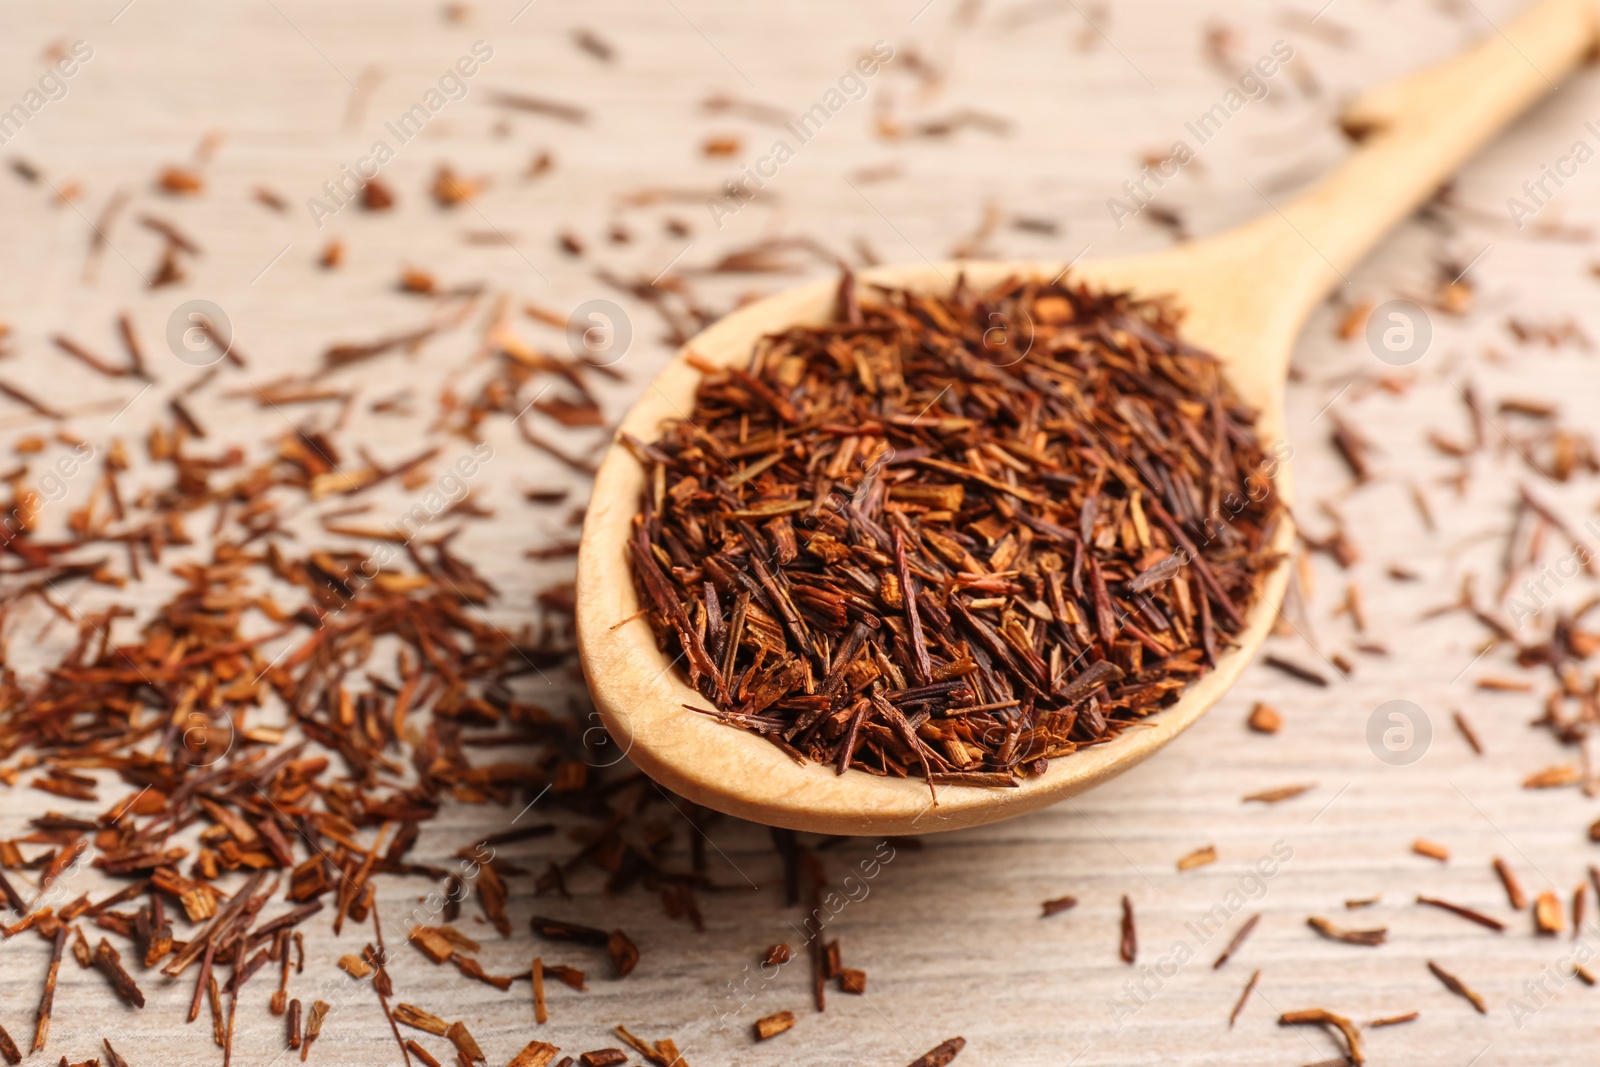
[941,1054]
[1478,917]
[1244,995]
[955,536]
[773,1025]
[1548,917]
[1059,905]
[535,1054]
[1458,987]
[1349,937]
[1265,719]
[1431,849]
[1322,1017]
[1514,894]
[1237,940]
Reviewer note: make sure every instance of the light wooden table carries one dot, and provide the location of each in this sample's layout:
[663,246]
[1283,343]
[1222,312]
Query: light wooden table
[1063,102]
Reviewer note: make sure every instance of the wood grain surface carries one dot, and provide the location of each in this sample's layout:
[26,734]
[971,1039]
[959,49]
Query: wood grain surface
[1053,107]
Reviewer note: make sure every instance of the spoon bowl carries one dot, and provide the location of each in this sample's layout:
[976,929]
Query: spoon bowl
[1244,294]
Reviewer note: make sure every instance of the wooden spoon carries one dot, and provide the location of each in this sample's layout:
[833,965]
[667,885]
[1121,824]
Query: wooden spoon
[1246,294]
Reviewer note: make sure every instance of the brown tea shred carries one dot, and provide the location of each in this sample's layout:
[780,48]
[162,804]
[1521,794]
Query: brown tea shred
[314,1017]
[1265,719]
[541,1014]
[1277,796]
[8,1048]
[558,930]
[638,1044]
[534,1054]
[1431,849]
[1059,905]
[201,983]
[1323,1017]
[1468,732]
[109,961]
[382,984]
[466,1045]
[941,1054]
[1548,916]
[800,862]
[1371,938]
[41,1032]
[1238,1006]
[113,1059]
[773,1025]
[1394,1020]
[1130,936]
[29,402]
[1478,917]
[1295,670]
[421,1054]
[219,1022]
[624,954]
[421,1020]
[1352,447]
[280,997]
[1456,986]
[227,1045]
[566,459]
[834,959]
[13,898]
[891,543]
[86,357]
[1514,894]
[1237,940]
[539,105]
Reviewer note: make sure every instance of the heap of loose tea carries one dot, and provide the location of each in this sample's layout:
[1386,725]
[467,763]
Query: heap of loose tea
[957,536]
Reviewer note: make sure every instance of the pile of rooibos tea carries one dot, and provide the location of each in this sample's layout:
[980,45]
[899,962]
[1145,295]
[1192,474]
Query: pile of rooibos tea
[955,536]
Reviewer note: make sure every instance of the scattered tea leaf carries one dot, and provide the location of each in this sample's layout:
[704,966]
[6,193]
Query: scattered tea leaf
[773,1025]
[1275,796]
[1350,937]
[1455,985]
[1322,1017]
[1431,849]
[1466,913]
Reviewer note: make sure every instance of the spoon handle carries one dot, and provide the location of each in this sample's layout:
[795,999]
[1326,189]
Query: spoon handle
[1411,134]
